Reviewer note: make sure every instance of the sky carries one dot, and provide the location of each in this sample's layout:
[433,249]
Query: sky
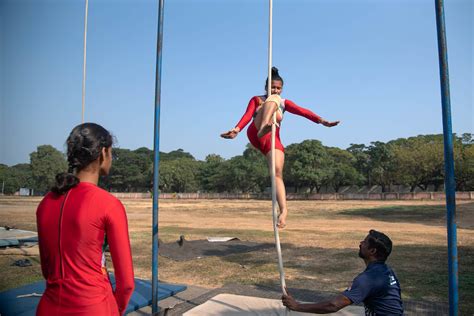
[372,64]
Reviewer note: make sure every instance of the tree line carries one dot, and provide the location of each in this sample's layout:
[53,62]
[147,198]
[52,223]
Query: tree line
[416,162]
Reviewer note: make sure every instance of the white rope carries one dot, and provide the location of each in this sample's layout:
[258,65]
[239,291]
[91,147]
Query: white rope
[84,62]
[274,202]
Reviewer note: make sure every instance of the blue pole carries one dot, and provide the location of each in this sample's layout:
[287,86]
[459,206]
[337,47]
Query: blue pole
[156,160]
[450,185]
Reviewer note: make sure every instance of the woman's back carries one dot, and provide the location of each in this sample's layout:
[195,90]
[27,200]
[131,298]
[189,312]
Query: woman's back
[71,230]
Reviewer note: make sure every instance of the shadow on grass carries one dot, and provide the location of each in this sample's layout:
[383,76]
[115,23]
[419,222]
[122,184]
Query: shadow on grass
[172,233]
[434,215]
[195,249]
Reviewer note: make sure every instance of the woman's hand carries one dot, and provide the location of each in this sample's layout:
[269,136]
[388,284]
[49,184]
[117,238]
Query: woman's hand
[329,124]
[231,134]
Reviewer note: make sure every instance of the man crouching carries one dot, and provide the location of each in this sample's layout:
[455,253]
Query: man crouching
[377,286]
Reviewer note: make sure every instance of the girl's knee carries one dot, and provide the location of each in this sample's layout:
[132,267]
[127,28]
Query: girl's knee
[279,173]
[271,105]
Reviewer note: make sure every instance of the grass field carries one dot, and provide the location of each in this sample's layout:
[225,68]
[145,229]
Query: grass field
[320,243]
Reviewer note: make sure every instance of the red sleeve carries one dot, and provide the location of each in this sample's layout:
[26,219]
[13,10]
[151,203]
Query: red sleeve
[42,252]
[119,243]
[291,107]
[48,211]
[253,104]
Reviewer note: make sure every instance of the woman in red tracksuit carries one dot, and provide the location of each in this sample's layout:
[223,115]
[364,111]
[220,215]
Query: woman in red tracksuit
[74,221]
[261,109]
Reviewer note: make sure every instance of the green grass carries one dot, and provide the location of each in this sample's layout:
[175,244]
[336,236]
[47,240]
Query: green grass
[14,276]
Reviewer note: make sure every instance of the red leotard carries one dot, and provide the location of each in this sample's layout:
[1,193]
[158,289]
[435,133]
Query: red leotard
[71,231]
[264,143]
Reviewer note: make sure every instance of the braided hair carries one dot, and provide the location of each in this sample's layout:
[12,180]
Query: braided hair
[84,145]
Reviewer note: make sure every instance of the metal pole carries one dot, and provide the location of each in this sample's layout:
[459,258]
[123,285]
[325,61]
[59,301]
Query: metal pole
[84,62]
[273,171]
[156,155]
[450,185]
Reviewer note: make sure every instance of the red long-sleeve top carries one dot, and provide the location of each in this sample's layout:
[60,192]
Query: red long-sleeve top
[290,106]
[71,231]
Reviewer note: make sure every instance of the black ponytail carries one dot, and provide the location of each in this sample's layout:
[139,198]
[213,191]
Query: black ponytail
[64,182]
[84,145]
[275,76]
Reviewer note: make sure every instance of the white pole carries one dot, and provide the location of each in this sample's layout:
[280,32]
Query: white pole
[274,203]
[84,62]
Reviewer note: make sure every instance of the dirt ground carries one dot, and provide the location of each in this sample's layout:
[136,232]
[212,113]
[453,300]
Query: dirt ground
[320,243]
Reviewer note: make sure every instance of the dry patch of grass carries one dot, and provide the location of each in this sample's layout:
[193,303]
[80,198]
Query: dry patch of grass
[320,244]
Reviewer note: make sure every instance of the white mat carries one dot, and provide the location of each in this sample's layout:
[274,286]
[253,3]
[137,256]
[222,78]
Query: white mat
[16,233]
[221,239]
[238,305]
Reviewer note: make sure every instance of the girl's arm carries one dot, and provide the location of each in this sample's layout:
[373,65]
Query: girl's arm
[291,107]
[119,243]
[251,107]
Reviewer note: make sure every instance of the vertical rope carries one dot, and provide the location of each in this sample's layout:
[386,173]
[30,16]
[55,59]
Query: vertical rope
[84,62]
[274,202]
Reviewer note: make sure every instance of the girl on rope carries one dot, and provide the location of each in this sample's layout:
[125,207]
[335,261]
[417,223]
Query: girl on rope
[261,109]
[73,221]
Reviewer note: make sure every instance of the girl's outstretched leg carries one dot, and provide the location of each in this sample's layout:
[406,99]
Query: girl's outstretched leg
[280,185]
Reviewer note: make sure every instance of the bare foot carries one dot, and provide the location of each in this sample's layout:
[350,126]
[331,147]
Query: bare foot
[264,130]
[267,128]
[282,219]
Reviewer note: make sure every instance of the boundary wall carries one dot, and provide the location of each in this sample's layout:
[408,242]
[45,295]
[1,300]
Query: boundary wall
[435,196]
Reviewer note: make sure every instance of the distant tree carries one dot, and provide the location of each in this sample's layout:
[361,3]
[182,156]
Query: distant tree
[259,170]
[130,170]
[3,177]
[179,175]
[23,176]
[362,161]
[247,173]
[343,172]
[210,175]
[45,163]
[381,166]
[144,152]
[15,177]
[464,162]
[176,154]
[145,181]
[419,161]
[307,165]
[415,161]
